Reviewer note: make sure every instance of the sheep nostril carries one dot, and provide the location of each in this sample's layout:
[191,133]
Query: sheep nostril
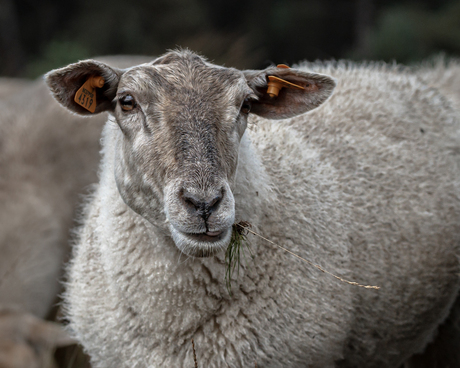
[192,202]
[201,206]
[213,204]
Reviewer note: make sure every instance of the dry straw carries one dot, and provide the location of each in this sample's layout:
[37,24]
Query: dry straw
[194,354]
[234,250]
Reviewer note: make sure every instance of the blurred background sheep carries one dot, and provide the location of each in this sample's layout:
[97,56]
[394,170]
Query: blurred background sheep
[48,157]
[36,37]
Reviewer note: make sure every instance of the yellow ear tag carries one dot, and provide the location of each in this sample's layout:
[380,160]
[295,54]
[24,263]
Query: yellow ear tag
[86,95]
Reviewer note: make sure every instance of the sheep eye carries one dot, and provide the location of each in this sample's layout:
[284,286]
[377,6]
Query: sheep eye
[246,107]
[127,103]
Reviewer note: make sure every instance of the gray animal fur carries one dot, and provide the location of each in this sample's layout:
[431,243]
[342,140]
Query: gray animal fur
[366,186]
[29,342]
[443,74]
[10,87]
[47,158]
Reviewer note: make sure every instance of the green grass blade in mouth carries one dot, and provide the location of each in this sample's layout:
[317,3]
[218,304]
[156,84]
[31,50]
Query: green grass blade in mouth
[234,251]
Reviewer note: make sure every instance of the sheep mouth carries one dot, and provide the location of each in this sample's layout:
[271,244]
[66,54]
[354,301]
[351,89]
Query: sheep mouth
[208,236]
[204,244]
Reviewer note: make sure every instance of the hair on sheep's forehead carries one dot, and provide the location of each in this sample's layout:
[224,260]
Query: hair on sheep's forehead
[186,71]
[179,55]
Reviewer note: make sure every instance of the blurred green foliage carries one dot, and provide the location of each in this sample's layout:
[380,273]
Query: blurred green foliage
[55,54]
[38,36]
[410,32]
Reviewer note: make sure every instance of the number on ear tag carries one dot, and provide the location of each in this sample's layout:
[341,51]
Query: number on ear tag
[86,95]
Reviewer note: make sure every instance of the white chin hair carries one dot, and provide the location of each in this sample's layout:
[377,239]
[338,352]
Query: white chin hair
[192,245]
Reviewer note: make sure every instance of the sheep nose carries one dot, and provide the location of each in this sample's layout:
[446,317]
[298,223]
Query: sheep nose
[202,205]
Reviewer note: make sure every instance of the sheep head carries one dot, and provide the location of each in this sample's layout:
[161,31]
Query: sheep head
[181,120]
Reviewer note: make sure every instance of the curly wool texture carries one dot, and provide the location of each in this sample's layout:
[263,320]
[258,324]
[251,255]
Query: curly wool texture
[367,185]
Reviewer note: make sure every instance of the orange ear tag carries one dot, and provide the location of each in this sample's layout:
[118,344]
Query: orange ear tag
[275,84]
[86,95]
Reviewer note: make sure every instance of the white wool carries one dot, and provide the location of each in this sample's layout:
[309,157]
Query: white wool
[367,186]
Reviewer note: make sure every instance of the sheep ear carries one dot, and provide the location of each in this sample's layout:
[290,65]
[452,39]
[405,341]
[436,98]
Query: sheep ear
[64,84]
[309,91]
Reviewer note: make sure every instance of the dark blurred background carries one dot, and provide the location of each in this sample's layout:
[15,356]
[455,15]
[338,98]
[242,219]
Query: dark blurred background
[36,36]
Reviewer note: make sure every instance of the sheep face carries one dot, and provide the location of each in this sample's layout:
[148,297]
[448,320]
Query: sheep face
[182,119]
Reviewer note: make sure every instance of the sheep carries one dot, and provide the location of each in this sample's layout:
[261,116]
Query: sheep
[367,186]
[47,158]
[443,74]
[27,341]
[12,86]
